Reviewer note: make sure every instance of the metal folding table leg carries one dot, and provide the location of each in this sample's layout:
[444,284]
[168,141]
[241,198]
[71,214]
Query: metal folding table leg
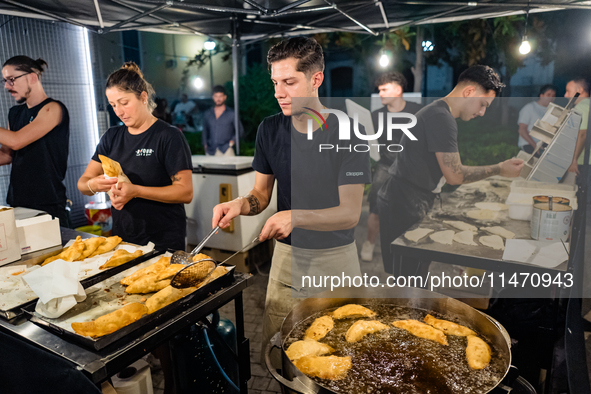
[243,345]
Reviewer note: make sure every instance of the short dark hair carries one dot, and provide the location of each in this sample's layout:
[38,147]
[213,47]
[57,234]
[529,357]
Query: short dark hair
[26,64]
[129,78]
[547,87]
[218,89]
[484,76]
[306,50]
[583,83]
[392,77]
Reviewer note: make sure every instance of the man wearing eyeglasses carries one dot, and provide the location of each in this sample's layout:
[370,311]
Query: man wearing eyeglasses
[35,142]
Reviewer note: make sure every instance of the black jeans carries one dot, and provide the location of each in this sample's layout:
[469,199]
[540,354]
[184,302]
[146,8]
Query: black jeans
[400,205]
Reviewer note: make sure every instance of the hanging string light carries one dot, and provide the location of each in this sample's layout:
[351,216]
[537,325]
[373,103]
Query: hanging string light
[525,47]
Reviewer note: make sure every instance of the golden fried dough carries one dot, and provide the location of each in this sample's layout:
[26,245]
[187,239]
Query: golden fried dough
[200,256]
[50,259]
[352,310]
[91,245]
[121,256]
[324,367]
[72,253]
[319,328]
[448,327]
[169,271]
[421,330]
[107,246]
[308,347]
[361,328]
[477,352]
[110,167]
[147,284]
[166,296]
[158,266]
[111,322]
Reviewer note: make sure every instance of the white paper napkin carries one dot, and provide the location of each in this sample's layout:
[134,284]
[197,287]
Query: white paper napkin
[548,254]
[57,287]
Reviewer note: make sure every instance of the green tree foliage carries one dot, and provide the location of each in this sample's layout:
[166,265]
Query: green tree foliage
[256,100]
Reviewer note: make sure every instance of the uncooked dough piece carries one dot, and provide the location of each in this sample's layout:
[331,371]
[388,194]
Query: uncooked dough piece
[465,237]
[498,230]
[445,237]
[493,206]
[477,352]
[482,214]
[492,241]
[461,225]
[417,234]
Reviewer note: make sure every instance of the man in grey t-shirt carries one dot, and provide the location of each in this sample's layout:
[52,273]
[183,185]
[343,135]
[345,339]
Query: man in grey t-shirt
[530,113]
[426,163]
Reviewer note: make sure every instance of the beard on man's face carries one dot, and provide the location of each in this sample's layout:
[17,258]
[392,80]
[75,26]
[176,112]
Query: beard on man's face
[24,97]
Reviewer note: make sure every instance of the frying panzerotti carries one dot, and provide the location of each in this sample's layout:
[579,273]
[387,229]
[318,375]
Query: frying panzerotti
[121,256]
[166,296]
[158,266]
[352,310]
[111,322]
[107,246]
[147,284]
[91,245]
[421,330]
[70,254]
[477,352]
[361,328]
[448,327]
[319,328]
[324,367]
[169,271]
[308,347]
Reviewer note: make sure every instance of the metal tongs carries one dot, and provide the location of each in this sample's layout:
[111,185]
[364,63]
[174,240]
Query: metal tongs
[199,271]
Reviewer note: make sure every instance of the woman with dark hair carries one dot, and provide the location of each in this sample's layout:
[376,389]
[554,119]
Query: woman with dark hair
[155,157]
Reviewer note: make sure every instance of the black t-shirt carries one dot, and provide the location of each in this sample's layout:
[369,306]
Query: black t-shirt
[436,131]
[307,178]
[39,169]
[149,159]
[387,157]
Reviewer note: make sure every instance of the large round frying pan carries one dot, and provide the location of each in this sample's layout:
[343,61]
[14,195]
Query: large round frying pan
[417,298]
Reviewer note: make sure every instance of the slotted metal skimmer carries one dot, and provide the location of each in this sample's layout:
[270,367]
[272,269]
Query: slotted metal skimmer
[199,271]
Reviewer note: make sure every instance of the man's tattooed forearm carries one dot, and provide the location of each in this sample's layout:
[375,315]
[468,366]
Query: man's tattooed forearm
[473,174]
[452,160]
[175,178]
[255,205]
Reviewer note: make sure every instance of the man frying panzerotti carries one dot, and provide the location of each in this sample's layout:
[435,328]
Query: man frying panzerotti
[427,163]
[319,193]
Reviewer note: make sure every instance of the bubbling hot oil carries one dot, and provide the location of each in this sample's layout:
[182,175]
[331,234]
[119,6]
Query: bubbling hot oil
[395,361]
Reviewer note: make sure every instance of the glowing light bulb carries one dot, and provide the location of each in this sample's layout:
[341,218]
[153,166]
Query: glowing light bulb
[198,83]
[209,45]
[384,60]
[524,48]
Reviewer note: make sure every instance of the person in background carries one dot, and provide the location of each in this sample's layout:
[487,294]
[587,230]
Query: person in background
[156,158]
[183,111]
[425,165]
[530,113]
[36,141]
[581,86]
[390,86]
[219,133]
[161,110]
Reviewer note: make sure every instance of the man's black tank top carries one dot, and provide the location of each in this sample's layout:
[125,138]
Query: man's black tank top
[39,169]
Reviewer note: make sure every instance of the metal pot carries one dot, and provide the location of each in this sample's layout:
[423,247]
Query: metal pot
[297,382]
